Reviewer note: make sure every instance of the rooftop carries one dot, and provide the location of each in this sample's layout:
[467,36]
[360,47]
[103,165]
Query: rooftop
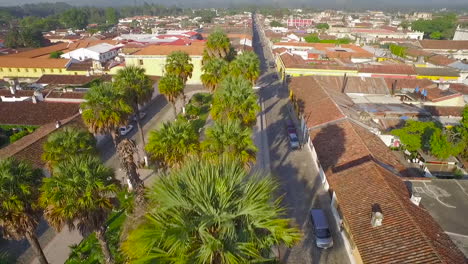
[444,44]
[41,113]
[192,50]
[447,72]
[39,63]
[361,171]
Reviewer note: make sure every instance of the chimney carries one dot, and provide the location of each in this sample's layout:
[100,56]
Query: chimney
[58,124]
[38,95]
[443,86]
[345,83]
[34,100]
[394,85]
[13,89]
[415,198]
[377,215]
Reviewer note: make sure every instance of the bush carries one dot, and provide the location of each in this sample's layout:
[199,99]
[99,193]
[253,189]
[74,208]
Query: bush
[17,136]
[192,111]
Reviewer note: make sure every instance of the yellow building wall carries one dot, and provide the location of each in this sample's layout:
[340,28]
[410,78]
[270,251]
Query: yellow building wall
[35,72]
[437,78]
[154,66]
[308,72]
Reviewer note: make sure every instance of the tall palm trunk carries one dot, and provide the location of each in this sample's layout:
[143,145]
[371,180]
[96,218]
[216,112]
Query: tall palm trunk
[173,102]
[126,149]
[109,259]
[141,132]
[34,242]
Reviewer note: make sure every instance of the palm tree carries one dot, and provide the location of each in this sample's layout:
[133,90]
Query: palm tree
[231,139]
[67,142]
[218,45]
[210,212]
[171,86]
[179,63]
[172,143]
[235,99]
[214,70]
[127,149]
[19,209]
[247,65]
[138,90]
[104,111]
[80,195]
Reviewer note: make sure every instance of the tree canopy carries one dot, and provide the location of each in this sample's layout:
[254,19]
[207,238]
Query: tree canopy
[322,26]
[275,23]
[210,212]
[75,18]
[442,27]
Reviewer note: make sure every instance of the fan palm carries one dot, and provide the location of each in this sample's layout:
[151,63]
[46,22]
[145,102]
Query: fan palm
[213,72]
[104,111]
[172,143]
[235,99]
[247,65]
[79,195]
[19,209]
[218,45]
[66,142]
[210,212]
[179,63]
[231,139]
[171,86]
[138,90]
[127,149]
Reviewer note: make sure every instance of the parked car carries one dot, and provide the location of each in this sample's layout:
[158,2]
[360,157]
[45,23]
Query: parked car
[142,115]
[293,141]
[125,129]
[291,128]
[323,237]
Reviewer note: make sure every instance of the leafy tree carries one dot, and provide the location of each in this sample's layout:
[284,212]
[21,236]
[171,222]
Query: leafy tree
[440,146]
[172,143]
[19,209]
[66,143]
[246,65]
[13,38]
[75,18]
[322,26]
[80,195]
[445,25]
[275,23]
[312,38]
[138,90]
[218,45]
[397,50]
[231,139]
[210,212]
[111,16]
[416,134]
[405,24]
[213,72]
[235,100]
[171,86]
[55,54]
[435,35]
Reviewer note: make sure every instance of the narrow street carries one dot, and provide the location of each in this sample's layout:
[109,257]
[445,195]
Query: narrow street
[299,180]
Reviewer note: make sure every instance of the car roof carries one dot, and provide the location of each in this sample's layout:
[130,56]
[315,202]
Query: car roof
[320,220]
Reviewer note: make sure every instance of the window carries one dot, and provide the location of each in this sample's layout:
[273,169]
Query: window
[60,70]
[9,69]
[42,70]
[1,69]
[76,73]
[51,70]
[18,70]
[26,70]
[140,62]
[35,70]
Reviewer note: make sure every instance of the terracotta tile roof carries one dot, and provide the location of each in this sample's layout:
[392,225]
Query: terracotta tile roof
[70,79]
[448,72]
[408,83]
[440,60]
[388,69]
[28,113]
[38,52]
[460,87]
[313,99]
[80,66]
[437,95]
[20,62]
[444,110]
[29,148]
[358,170]
[193,50]
[354,84]
[444,44]
[18,93]
[417,52]
[291,60]
[66,95]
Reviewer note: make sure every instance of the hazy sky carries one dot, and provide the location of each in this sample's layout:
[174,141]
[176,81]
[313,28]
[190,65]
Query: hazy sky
[371,4]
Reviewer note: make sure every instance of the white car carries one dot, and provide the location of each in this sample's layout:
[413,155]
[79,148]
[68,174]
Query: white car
[125,129]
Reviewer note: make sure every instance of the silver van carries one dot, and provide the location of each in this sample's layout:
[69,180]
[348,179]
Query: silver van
[323,237]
